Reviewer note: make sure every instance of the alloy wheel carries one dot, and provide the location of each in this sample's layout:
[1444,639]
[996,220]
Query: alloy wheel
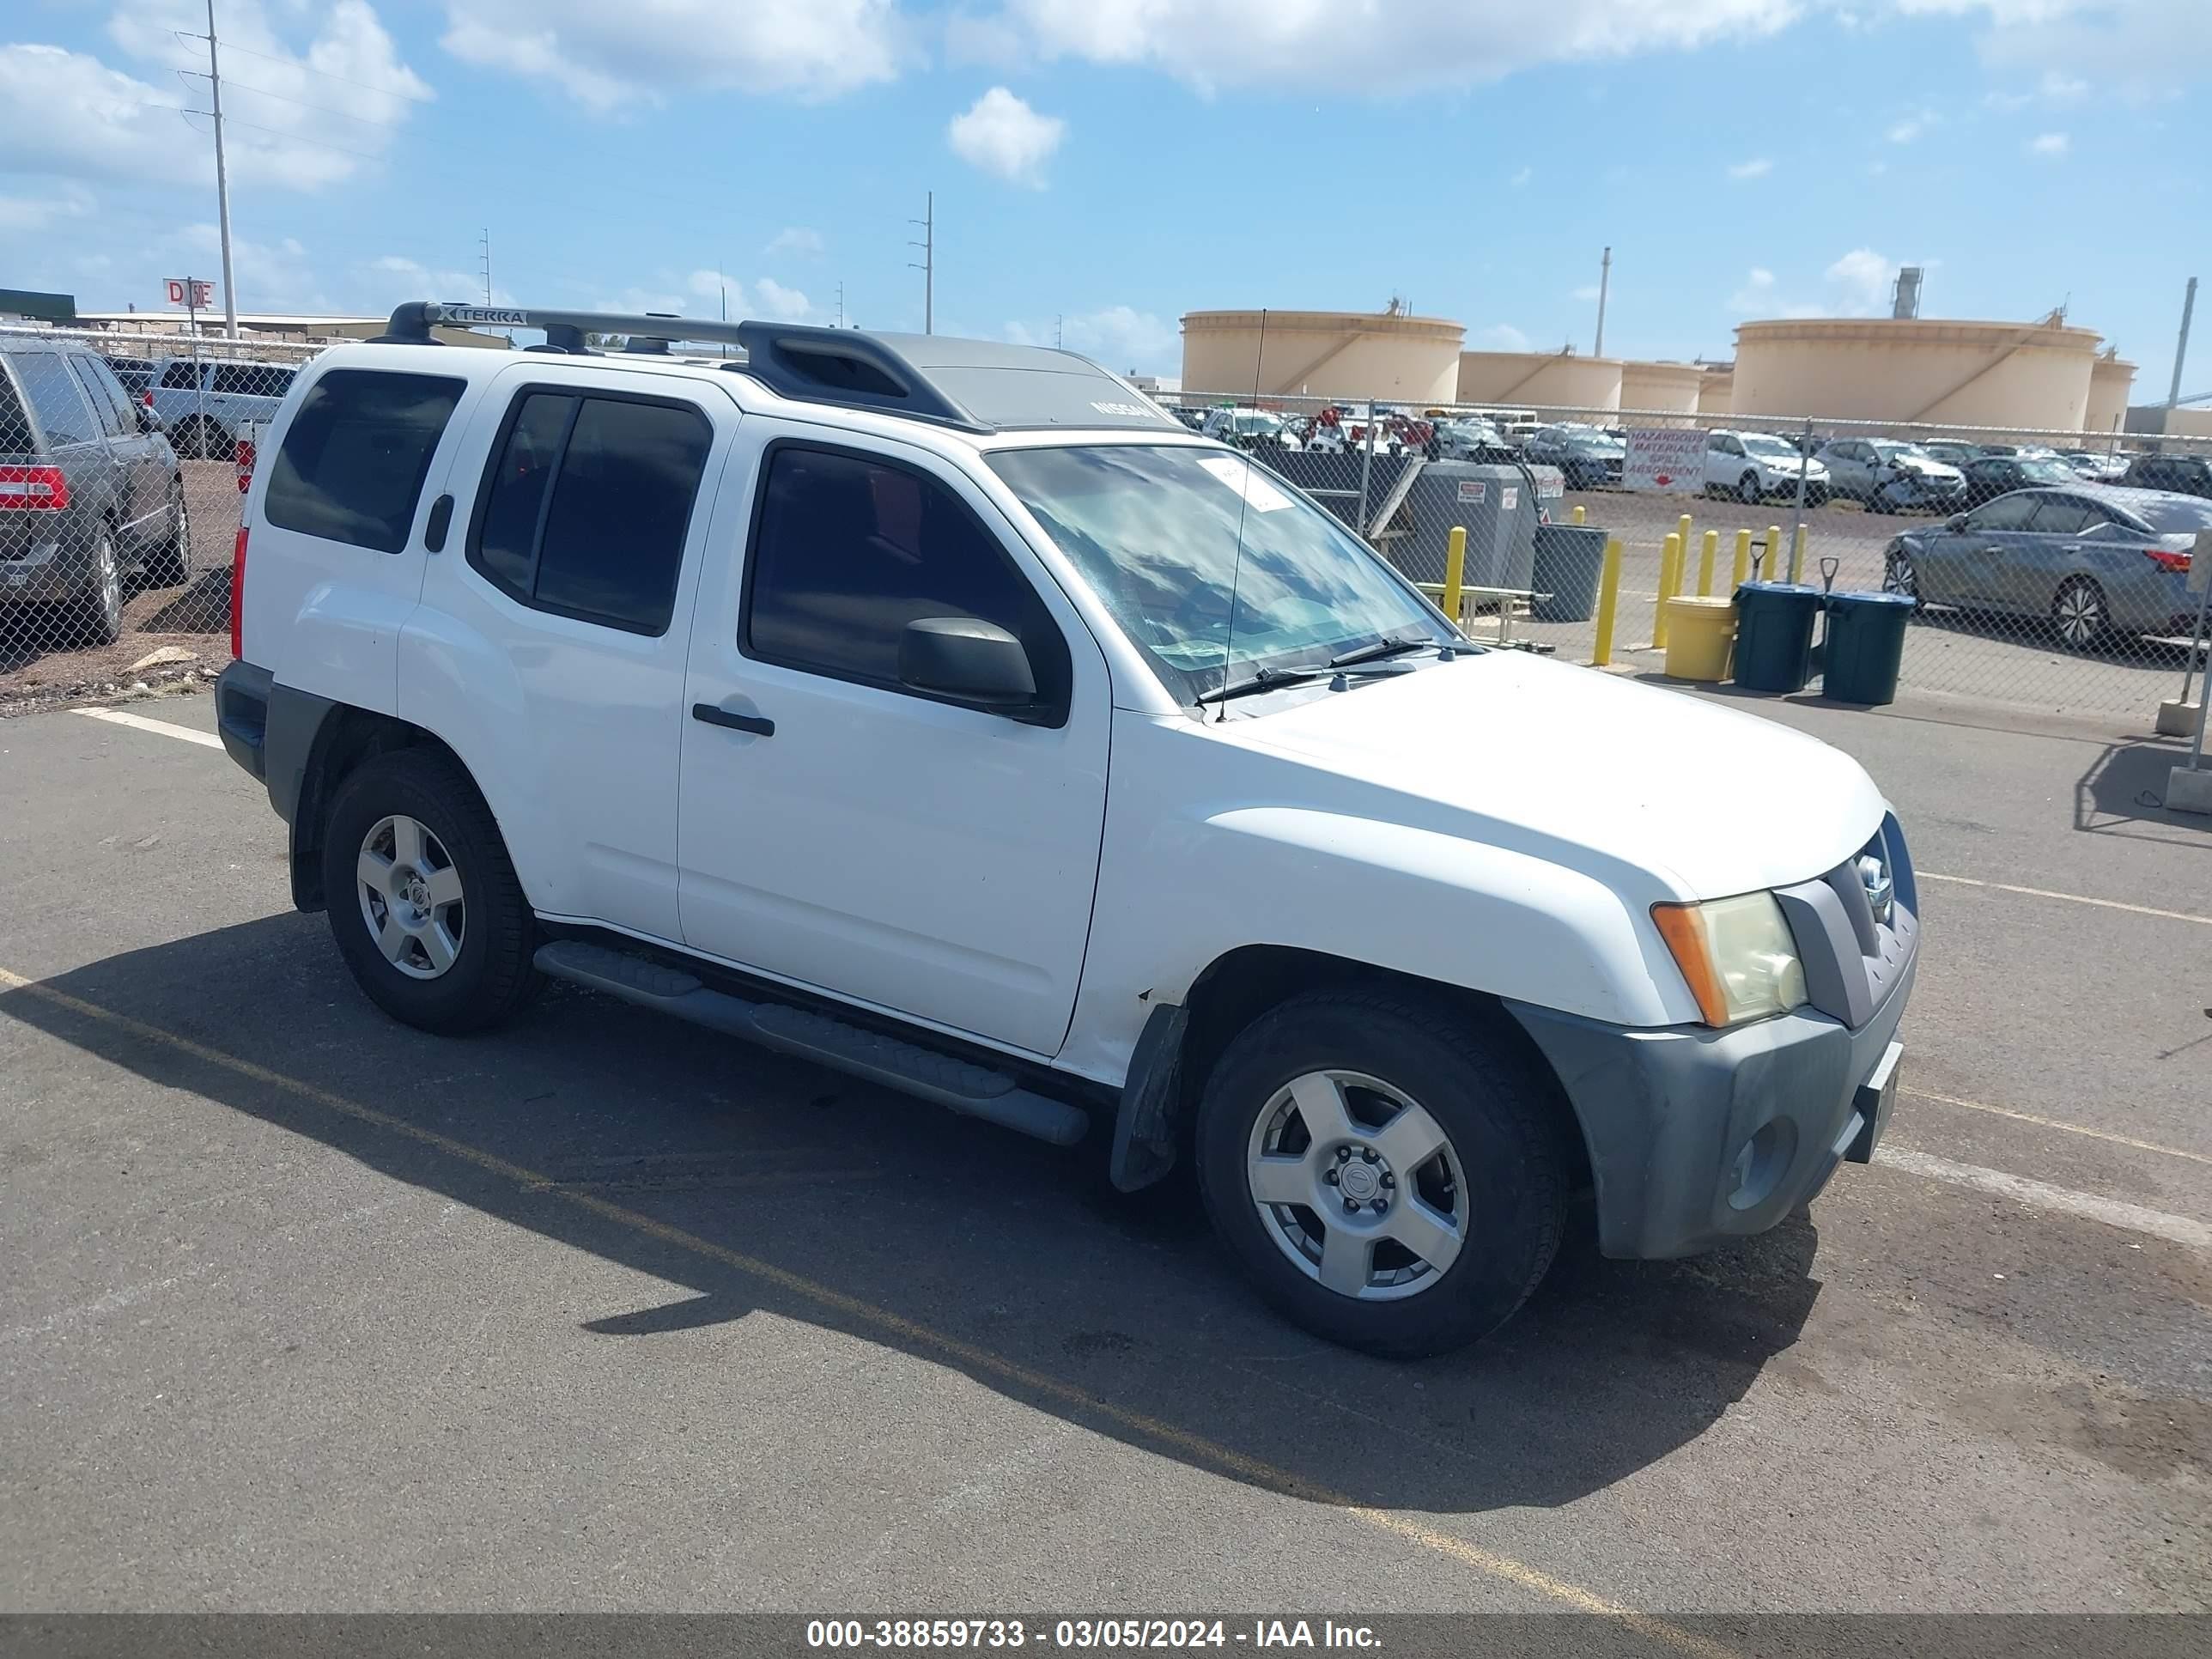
[411,897]
[2079,613]
[1358,1185]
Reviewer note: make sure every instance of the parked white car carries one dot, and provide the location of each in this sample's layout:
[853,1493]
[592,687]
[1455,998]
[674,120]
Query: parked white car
[1754,465]
[784,699]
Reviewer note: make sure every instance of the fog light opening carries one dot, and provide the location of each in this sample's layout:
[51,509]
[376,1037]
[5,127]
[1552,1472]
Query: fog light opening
[1759,1164]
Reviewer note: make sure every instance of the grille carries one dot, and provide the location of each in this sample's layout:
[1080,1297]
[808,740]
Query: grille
[1857,927]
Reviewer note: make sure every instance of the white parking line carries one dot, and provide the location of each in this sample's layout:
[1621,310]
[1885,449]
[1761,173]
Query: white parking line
[2054,1124]
[140,723]
[2071,898]
[2042,1195]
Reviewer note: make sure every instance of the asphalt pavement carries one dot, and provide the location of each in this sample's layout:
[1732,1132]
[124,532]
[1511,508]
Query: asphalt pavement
[309,1311]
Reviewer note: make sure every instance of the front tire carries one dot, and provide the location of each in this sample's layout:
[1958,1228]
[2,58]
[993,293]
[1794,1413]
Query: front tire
[1389,1176]
[98,618]
[1746,489]
[1898,576]
[424,902]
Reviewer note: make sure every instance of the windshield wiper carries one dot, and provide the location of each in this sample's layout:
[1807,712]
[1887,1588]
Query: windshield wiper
[1263,679]
[1391,645]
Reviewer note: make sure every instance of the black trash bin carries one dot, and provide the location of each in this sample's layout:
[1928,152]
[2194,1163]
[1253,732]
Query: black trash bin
[1569,562]
[1865,643]
[1774,635]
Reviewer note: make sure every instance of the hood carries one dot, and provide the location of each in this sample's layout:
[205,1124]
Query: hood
[1587,770]
[1815,468]
[1932,468]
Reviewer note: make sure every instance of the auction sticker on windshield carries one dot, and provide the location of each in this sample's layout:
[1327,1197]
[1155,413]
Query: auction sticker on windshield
[1248,481]
[1668,458]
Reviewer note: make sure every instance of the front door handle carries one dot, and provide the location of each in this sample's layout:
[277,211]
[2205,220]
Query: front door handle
[756,724]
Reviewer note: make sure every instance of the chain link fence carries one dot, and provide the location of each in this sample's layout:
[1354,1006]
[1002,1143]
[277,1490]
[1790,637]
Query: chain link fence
[120,501]
[2069,597]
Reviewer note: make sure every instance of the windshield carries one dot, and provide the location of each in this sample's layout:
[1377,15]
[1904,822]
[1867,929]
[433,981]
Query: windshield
[1759,444]
[1896,451]
[2037,471]
[2173,515]
[1154,531]
[1595,443]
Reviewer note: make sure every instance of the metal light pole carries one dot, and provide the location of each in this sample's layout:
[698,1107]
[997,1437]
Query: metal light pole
[221,185]
[928,266]
[1604,283]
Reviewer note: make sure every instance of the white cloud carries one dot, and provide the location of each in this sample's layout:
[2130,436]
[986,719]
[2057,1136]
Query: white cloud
[1862,277]
[1001,134]
[1520,179]
[1758,167]
[2137,49]
[1384,47]
[605,56]
[1912,126]
[797,241]
[2048,144]
[37,212]
[1123,338]
[1500,337]
[392,277]
[69,114]
[279,275]
[786,305]
[1587,292]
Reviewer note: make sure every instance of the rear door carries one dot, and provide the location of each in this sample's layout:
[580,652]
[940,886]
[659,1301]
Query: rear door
[548,648]
[72,442]
[142,472]
[2039,558]
[336,519]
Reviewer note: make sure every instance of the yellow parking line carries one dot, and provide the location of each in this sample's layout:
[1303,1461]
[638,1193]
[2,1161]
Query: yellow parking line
[1226,1458]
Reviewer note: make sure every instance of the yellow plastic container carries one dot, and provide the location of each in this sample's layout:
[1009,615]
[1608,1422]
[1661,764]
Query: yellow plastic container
[1700,634]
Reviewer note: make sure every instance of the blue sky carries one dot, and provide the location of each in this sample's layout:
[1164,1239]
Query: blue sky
[1103,166]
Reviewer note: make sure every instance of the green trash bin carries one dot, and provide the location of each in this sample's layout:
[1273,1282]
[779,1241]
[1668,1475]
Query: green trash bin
[1774,635]
[1865,643]
[1570,559]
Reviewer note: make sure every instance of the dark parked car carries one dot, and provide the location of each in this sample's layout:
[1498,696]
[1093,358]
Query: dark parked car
[2191,475]
[90,491]
[2092,559]
[1586,457]
[1952,453]
[1988,477]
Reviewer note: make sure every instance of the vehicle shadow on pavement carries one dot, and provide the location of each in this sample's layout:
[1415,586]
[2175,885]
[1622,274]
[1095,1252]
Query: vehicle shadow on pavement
[765,1184]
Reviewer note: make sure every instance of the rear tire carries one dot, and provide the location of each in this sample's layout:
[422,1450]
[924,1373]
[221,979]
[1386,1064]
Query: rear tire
[1365,1081]
[2080,614]
[97,616]
[1746,489]
[457,957]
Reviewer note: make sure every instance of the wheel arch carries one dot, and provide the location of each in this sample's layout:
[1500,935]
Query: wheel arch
[1243,983]
[339,740]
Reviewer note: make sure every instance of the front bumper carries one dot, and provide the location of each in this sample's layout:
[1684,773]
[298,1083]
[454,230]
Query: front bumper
[1698,1136]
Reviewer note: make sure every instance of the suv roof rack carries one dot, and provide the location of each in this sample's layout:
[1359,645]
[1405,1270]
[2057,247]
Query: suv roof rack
[976,386]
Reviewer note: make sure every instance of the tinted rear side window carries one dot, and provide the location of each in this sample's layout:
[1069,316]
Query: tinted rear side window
[14,424]
[184,374]
[251,380]
[586,504]
[354,458]
[54,393]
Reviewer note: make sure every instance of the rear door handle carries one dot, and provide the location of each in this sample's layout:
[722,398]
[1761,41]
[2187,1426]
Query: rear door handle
[756,724]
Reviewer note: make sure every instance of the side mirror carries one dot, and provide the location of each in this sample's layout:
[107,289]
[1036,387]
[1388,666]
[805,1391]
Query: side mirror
[1956,521]
[969,658]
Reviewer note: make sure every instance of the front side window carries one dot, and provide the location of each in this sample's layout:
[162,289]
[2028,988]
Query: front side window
[1156,531]
[586,505]
[53,392]
[354,458]
[848,548]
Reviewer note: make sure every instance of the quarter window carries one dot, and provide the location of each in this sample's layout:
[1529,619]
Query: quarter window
[586,504]
[847,550]
[2006,512]
[2062,516]
[108,402]
[354,458]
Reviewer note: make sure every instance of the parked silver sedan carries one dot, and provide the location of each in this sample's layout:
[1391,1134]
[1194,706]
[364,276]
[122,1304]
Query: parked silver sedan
[2096,562]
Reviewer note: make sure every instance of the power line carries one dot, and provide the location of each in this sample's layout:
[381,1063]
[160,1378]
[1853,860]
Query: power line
[279,132]
[282,98]
[306,69]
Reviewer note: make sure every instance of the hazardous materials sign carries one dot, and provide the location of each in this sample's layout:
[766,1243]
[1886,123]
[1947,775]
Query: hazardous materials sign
[1670,459]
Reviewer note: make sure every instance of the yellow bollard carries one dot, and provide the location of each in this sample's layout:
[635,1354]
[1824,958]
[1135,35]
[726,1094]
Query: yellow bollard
[1670,579]
[1454,573]
[1742,560]
[1705,563]
[1683,528]
[1797,557]
[1578,513]
[1771,567]
[1608,594]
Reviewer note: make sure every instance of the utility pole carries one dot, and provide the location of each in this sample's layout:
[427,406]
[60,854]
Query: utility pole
[483,244]
[927,267]
[222,184]
[841,305]
[2181,346]
[1057,320]
[1604,283]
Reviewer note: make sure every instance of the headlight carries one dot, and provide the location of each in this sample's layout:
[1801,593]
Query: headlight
[1736,954]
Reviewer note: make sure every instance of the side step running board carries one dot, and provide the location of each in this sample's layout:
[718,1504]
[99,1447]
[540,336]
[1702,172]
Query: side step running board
[970,1089]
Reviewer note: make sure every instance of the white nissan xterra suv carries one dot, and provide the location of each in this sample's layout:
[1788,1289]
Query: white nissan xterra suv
[945,713]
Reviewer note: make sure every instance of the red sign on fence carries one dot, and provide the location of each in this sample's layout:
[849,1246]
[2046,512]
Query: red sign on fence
[189,292]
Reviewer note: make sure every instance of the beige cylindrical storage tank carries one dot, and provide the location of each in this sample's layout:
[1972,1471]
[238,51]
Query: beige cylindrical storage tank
[1661,388]
[1349,355]
[1717,393]
[1915,370]
[1539,380]
[2111,381]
